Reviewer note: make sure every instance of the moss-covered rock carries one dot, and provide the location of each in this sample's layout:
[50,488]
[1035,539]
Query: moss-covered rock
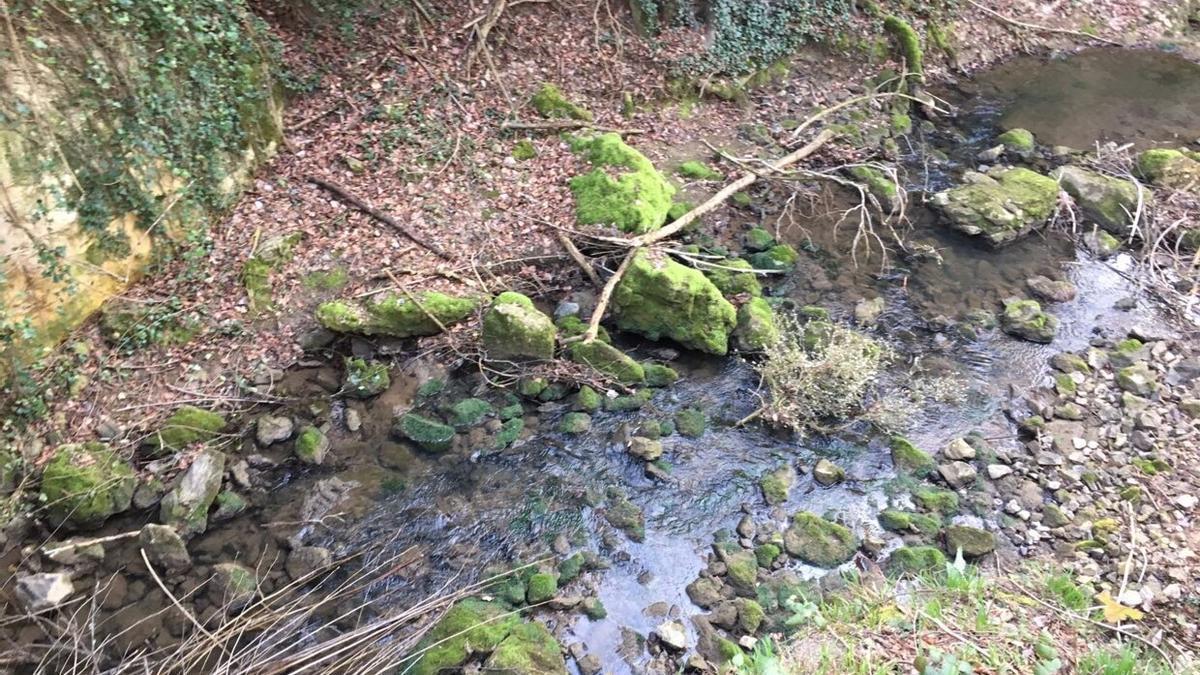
[910,560]
[728,278]
[396,315]
[1107,201]
[364,379]
[659,298]
[529,649]
[905,522]
[524,150]
[550,102]
[624,189]
[1000,207]
[608,360]
[186,506]
[469,412]
[187,425]
[818,541]
[570,326]
[570,568]
[541,587]
[973,541]
[757,239]
[84,484]
[756,329]
[909,458]
[312,445]
[470,627]
[908,44]
[697,170]
[936,500]
[628,402]
[1019,140]
[1137,379]
[1169,168]
[690,422]
[742,570]
[658,375]
[778,258]
[509,432]
[1026,320]
[513,329]
[766,554]
[575,423]
[776,484]
[428,434]
[625,516]
[588,399]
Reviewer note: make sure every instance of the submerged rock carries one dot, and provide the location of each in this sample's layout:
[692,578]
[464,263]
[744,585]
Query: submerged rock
[186,506]
[659,298]
[776,484]
[364,379]
[429,434]
[756,328]
[84,484]
[528,649]
[270,429]
[624,189]
[165,548]
[1000,207]
[233,586]
[827,473]
[608,360]
[312,445]
[818,541]
[396,315]
[910,458]
[1026,320]
[513,329]
[1105,200]
[1051,290]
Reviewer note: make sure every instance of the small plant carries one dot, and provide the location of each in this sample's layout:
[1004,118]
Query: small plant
[813,376]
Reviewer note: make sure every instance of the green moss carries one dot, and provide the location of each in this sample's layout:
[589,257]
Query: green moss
[814,313]
[1000,206]
[901,124]
[909,458]
[575,423]
[1151,467]
[551,103]
[742,569]
[730,281]
[658,375]
[677,211]
[636,200]
[742,199]
[608,360]
[757,239]
[878,183]
[256,278]
[469,412]
[690,422]
[311,445]
[509,432]
[775,484]
[778,258]
[428,434]
[908,44]
[1064,384]
[1020,140]
[84,484]
[818,541]
[431,388]
[529,649]
[1168,168]
[513,329]
[588,399]
[532,387]
[524,150]
[569,569]
[756,329]
[326,280]
[471,626]
[364,379]
[936,500]
[905,522]
[1132,493]
[626,516]
[766,554]
[570,326]
[541,587]
[659,298]
[697,170]
[628,403]
[913,560]
[395,315]
[229,504]
[186,426]
[594,609]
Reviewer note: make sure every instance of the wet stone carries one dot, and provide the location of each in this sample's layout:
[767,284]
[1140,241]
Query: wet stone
[827,473]
[273,429]
[959,449]
[957,474]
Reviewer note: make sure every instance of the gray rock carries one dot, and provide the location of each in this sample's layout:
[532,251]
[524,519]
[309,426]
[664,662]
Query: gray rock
[1025,319]
[39,592]
[991,154]
[1106,201]
[705,592]
[186,506]
[566,308]
[827,473]
[957,474]
[644,448]
[866,312]
[273,429]
[959,449]
[672,635]
[233,586]
[1054,516]
[164,548]
[306,560]
[1045,288]
[998,471]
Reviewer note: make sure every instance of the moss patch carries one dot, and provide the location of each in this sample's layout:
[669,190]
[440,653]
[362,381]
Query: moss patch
[659,298]
[909,458]
[429,434]
[910,560]
[1020,140]
[396,315]
[818,541]
[636,200]
[186,426]
[731,280]
[84,484]
[472,626]
[364,379]
[697,170]
[690,422]
[513,329]
[608,360]
[551,103]
[756,328]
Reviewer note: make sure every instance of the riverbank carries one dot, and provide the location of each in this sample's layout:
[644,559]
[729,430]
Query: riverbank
[483,196]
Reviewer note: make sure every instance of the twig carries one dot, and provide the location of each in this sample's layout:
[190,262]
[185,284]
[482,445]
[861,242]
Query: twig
[579,259]
[341,193]
[1042,29]
[557,125]
[89,542]
[593,328]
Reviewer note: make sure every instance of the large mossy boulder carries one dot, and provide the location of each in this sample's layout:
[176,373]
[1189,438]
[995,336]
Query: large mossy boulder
[529,649]
[660,298]
[84,484]
[1026,320]
[999,207]
[1107,201]
[185,426]
[471,627]
[818,541]
[608,360]
[623,189]
[186,506]
[756,328]
[513,329]
[1169,168]
[395,315]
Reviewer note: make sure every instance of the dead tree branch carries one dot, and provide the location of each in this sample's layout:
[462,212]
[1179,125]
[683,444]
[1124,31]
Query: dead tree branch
[342,194]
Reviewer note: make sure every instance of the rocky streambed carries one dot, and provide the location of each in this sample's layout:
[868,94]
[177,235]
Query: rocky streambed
[1040,404]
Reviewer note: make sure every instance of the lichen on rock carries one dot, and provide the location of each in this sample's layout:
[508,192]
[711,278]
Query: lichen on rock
[396,315]
[623,189]
[660,298]
[1105,200]
[1026,320]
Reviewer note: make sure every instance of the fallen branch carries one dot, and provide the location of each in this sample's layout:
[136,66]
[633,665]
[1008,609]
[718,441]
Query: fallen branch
[84,543]
[341,193]
[636,244]
[558,125]
[579,259]
[1042,29]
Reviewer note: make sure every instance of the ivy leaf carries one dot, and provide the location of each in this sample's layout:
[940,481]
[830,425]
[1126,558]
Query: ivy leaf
[1115,612]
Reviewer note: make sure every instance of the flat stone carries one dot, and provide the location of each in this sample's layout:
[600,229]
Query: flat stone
[957,474]
[998,471]
[959,449]
[1051,290]
[273,429]
[38,592]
